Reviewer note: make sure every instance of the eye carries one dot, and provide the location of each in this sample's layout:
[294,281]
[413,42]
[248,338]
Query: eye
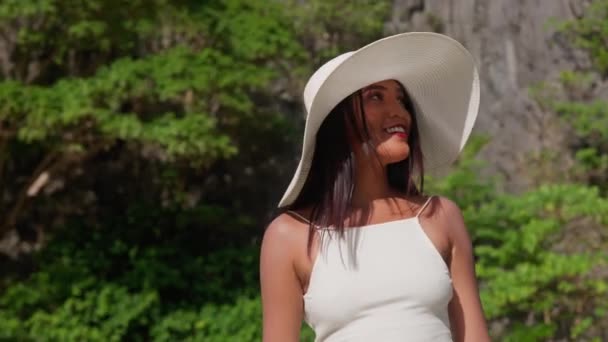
[376,96]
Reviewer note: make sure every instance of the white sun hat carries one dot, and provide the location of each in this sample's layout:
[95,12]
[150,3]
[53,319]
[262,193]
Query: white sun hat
[439,75]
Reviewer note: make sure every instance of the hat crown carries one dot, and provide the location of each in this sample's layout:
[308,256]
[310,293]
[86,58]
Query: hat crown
[318,78]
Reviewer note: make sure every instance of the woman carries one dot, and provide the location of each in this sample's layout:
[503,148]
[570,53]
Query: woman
[360,253]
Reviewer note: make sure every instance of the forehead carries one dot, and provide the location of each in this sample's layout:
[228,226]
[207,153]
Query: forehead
[388,85]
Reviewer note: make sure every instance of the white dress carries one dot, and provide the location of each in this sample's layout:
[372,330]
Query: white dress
[383,282]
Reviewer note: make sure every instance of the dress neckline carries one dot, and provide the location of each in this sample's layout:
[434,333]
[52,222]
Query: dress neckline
[416,218]
[370,225]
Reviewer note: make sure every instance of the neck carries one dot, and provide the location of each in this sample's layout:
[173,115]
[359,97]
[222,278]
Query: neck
[371,182]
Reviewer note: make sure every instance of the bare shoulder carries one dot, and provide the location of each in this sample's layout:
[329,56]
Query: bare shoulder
[284,230]
[445,205]
[280,250]
[280,285]
[446,214]
[441,208]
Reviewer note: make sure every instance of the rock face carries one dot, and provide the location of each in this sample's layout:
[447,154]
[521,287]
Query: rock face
[515,47]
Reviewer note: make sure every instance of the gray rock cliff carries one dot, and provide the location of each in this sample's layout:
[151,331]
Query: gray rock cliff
[515,47]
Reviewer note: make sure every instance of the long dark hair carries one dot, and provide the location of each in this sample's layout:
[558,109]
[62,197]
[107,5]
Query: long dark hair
[330,184]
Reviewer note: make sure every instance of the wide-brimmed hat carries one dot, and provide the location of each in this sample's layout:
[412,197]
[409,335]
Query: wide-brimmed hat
[439,75]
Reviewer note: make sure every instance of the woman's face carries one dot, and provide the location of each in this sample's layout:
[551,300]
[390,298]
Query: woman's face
[388,120]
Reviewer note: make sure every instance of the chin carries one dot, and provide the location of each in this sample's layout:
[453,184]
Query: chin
[393,155]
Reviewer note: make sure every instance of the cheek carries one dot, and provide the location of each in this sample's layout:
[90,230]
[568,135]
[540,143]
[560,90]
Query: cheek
[374,120]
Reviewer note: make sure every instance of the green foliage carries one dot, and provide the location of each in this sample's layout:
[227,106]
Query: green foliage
[162,126]
[589,120]
[104,314]
[537,253]
[327,28]
[523,333]
[64,34]
[117,283]
[573,96]
[123,101]
[183,103]
[588,32]
[516,236]
[123,284]
[240,321]
[463,183]
[522,276]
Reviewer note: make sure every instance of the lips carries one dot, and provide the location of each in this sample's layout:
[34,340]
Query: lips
[397,130]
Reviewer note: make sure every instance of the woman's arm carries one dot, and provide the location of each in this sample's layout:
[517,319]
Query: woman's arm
[467,319]
[282,302]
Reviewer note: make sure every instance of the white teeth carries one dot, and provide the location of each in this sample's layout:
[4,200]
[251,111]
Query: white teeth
[396,129]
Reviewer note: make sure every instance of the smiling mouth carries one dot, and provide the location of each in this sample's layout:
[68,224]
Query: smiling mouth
[397,130]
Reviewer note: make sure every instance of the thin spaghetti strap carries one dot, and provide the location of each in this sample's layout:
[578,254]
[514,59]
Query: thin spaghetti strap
[424,206]
[299,216]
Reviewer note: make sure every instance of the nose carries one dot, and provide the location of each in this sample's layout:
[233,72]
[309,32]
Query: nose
[397,109]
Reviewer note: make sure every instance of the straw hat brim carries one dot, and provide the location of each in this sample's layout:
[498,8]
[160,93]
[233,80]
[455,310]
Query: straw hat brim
[438,73]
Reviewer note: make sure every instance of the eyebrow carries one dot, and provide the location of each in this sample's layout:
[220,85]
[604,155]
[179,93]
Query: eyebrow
[381,87]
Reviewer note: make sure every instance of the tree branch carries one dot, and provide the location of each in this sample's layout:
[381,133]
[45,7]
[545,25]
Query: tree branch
[13,215]
[53,163]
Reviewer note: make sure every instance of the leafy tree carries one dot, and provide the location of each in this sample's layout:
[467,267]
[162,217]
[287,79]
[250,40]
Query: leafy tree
[140,147]
[180,107]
